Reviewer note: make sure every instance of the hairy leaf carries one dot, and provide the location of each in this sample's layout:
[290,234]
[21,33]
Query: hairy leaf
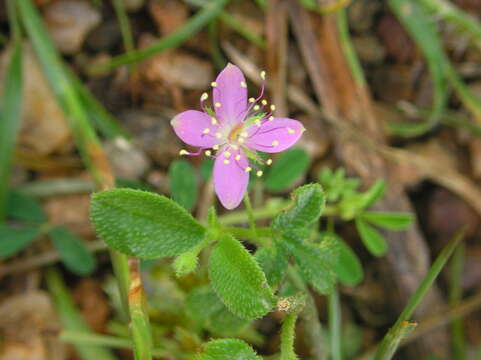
[238,280]
[144,224]
[273,261]
[232,349]
[183,184]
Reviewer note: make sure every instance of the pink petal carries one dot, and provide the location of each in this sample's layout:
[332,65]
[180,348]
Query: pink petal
[230,177]
[231,95]
[190,126]
[273,136]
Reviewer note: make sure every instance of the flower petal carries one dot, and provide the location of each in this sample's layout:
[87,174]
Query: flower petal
[273,136]
[230,95]
[230,176]
[190,126]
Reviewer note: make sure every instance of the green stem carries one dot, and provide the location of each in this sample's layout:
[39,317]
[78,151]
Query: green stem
[266,212]
[288,336]
[124,23]
[250,212]
[335,325]
[402,327]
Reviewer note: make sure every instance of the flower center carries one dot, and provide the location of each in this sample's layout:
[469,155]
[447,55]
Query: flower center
[236,133]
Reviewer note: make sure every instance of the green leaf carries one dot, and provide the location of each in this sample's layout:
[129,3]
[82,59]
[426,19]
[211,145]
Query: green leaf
[389,220]
[144,224]
[232,349]
[206,168]
[348,267]
[371,238]
[316,262]
[288,168]
[73,252]
[273,261]
[183,184]
[375,192]
[23,207]
[238,280]
[186,263]
[309,202]
[204,306]
[14,239]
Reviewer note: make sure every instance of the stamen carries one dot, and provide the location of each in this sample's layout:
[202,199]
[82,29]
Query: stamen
[204,97]
[275,143]
[208,153]
[269,161]
[217,105]
[213,84]
[273,107]
[235,147]
[206,131]
[227,154]
[263,75]
[218,135]
[256,107]
[259,173]
[251,100]
[237,157]
[213,121]
[183,152]
[271,118]
[243,84]
[227,162]
[215,147]
[264,102]
[303,129]
[244,134]
[248,169]
[258,122]
[290,131]
[240,140]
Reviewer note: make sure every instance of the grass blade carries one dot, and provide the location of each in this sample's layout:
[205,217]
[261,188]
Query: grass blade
[422,29]
[402,327]
[455,295]
[71,318]
[175,39]
[10,109]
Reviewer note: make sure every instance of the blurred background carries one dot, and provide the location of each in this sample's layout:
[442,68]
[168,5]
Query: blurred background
[387,90]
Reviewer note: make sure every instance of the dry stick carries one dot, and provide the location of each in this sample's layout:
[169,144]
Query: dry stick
[276,54]
[348,102]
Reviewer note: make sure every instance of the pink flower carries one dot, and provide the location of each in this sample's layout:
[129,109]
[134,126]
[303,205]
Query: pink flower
[235,129]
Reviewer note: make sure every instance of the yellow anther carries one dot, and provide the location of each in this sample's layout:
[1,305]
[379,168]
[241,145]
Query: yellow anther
[183,152]
[273,107]
[271,118]
[259,173]
[227,154]
[213,121]
[217,105]
[237,157]
[243,84]
[263,75]
[275,143]
[215,147]
[251,100]
[235,147]
[206,131]
[256,107]
[290,131]
[258,122]
[218,135]
[264,102]
[248,169]
[227,162]
[244,134]
[213,84]
[204,97]
[303,129]
[240,140]
[208,153]
[269,161]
